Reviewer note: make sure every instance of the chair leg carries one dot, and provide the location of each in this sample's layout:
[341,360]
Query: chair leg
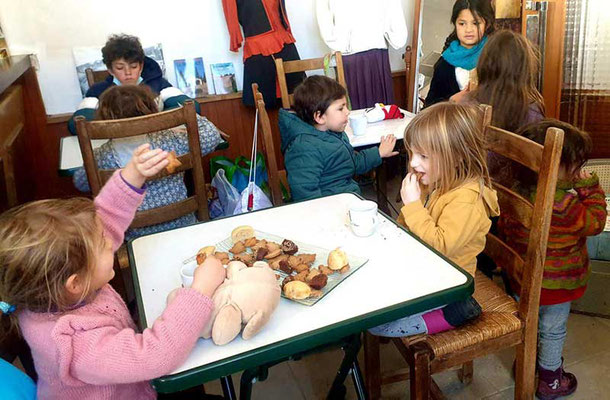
[525,372]
[420,372]
[372,366]
[465,373]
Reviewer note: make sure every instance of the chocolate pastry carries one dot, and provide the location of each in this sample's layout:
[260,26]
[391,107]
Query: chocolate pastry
[289,247]
[284,266]
[261,253]
[318,281]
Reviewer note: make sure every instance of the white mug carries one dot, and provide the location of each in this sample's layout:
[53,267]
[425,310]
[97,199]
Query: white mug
[363,217]
[186,274]
[358,124]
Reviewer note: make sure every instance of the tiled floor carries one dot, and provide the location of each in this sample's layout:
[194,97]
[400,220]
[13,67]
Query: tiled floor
[587,355]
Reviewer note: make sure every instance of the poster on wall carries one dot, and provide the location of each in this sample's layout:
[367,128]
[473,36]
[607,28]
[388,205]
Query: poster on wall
[190,77]
[91,57]
[223,77]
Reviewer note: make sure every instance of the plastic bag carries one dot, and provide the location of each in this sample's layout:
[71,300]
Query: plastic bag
[238,170]
[228,196]
[259,200]
[252,197]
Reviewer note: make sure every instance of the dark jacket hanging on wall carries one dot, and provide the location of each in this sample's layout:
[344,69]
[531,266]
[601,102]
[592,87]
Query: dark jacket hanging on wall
[253,17]
[267,35]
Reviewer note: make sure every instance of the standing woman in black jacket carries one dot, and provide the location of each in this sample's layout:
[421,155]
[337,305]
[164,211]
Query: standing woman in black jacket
[473,21]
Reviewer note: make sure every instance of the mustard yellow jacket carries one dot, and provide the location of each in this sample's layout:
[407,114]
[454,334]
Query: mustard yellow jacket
[454,223]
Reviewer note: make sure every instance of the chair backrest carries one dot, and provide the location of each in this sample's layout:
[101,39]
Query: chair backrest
[525,273]
[276,176]
[94,77]
[287,67]
[122,128]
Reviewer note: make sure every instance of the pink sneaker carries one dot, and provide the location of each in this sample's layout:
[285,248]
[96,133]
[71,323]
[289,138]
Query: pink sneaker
[555,384]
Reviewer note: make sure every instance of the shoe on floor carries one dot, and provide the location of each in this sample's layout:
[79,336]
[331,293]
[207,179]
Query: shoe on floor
[555,384]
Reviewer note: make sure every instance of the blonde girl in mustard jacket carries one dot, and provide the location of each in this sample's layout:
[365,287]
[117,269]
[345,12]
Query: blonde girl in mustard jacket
[451,213]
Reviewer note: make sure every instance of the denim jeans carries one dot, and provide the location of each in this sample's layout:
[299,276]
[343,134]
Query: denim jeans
[407,326]
[552,332]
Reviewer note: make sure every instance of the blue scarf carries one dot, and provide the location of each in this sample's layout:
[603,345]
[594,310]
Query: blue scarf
[460,56]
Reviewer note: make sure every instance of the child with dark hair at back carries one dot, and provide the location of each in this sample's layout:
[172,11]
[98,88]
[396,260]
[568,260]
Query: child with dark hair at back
[134,101]
[318,156]
[127,64]
[579,210]
[473,21]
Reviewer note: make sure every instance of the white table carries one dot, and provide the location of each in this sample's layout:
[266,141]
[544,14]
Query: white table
[372,136]
[70,157]
[376,130]
[403,276]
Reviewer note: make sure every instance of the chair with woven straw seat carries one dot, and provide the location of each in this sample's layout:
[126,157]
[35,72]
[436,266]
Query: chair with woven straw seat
[504,322]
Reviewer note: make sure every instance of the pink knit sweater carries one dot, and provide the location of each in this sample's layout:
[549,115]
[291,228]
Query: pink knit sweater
[94,351]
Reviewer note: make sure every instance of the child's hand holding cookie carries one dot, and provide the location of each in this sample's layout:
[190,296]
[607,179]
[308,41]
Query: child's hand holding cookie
[410,190]
[144,164]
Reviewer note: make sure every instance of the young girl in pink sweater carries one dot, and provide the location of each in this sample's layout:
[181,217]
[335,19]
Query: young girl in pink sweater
[56,259]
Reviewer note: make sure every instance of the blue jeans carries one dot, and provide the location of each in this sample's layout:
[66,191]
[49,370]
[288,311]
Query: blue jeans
[407,326]
[552,332]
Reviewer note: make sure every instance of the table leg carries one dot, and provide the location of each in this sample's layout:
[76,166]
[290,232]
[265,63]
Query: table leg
[227,388]
[349,363]
[358,381]
[381,178]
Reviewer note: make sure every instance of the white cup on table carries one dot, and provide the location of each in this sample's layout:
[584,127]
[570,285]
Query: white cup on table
[363,217]
[186,274]
[358,123]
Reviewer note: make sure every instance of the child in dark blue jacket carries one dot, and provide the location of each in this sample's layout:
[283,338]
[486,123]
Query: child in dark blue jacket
[127,65]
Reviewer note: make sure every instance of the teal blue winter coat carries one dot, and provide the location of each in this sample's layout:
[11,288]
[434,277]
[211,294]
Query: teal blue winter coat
[321,163]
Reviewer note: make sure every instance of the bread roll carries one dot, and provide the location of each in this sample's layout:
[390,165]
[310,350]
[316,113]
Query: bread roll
[241,233]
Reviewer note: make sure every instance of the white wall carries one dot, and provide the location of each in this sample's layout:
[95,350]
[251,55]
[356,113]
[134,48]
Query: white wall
[185,28]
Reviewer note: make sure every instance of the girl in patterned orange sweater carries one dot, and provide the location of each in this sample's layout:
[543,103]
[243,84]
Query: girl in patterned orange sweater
[579,210]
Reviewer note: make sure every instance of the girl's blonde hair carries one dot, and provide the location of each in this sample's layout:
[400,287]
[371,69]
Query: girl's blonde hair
[450,134]
[42,244]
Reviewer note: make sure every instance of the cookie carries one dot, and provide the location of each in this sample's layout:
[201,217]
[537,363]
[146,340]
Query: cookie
[325,270]
[301,267]
[307,258]
[273,254]
[203,253]
[241,233]
[294,261]
[250,242]
[301,276]
[246,258]
[284,266]
[344,269]
[238,248]
[173,163]
[312,272]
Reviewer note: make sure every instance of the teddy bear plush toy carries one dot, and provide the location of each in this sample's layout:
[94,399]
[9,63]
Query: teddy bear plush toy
[247,297]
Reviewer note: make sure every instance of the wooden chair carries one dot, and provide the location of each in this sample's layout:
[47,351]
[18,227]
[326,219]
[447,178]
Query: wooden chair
[277,177]
[94,77]
[287,67]
[504,323]
[115,129]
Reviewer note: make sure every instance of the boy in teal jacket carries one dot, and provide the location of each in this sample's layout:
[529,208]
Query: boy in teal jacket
[318,156]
